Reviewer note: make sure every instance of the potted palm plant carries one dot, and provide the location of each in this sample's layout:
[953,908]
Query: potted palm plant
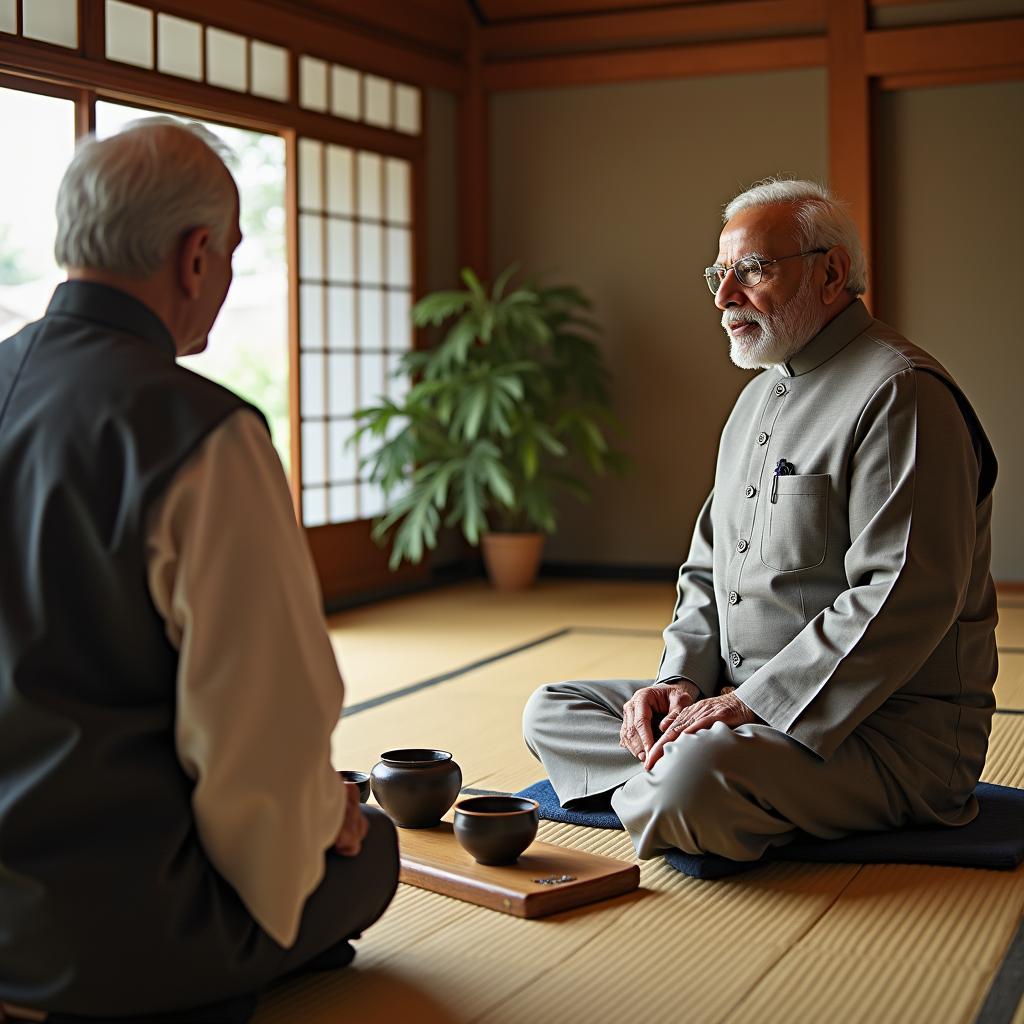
[503,414]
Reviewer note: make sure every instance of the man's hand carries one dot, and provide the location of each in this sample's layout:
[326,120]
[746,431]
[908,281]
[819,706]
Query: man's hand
[726,707]
[667,700]
[354,827]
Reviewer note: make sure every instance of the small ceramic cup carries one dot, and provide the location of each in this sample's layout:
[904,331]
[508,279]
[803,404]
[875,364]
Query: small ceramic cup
[495,829]
[360,779]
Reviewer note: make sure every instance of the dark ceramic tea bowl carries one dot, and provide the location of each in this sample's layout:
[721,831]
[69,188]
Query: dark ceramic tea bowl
[360,779]
[415,786]
[495,829]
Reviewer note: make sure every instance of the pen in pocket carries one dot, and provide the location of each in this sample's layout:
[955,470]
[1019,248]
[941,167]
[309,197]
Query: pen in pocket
[782,468]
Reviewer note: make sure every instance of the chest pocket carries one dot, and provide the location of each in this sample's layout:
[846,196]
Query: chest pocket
[795,527]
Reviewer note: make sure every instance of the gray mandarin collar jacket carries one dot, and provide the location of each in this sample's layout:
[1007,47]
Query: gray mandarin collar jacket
[852,593]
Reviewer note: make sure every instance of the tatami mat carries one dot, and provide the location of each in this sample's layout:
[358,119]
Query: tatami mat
[478,716]
[486,623]
[1010,683]
[788,942]
[1005,762]
[1010,631]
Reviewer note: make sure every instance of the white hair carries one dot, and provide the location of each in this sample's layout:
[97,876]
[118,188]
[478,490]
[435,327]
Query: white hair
[125,201]
[822,220]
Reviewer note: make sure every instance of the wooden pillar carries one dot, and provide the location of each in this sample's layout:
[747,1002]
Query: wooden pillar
[474,143]
[849,117]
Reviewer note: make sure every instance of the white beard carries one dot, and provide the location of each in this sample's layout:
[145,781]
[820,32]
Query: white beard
[780,334]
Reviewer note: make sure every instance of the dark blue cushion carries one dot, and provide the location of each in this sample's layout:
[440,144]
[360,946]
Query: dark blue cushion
[995,839]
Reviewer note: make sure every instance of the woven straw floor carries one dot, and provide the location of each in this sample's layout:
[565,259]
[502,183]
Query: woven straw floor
[789,942]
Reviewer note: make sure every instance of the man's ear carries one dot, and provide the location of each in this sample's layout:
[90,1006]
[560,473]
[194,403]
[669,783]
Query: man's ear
[837,273]
[192,262]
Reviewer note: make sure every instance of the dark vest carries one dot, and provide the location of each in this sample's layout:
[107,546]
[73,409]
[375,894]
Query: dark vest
[98,850]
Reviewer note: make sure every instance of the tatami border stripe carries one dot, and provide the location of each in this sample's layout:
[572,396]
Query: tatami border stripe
[386,698]
[1004,996]
[624,631]
[614,631]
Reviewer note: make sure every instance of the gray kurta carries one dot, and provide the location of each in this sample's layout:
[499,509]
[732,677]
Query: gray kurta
[850,601]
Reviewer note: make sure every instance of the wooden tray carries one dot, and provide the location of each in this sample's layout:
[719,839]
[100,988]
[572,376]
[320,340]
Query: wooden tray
[432,859]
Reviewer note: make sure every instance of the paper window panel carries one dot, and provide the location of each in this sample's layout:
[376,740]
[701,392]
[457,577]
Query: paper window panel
[372,384]
[339,180]
[269,71]
[341,317]
[398,383]
[179,47]
[314,506]
[407,109]
[345,92]
[399,253]
[311,246]
[372,503]
[311,194]
[371,255]
[341,370]
[397,179]
[129,34]
[312,84]
[311,389]
[400,333]
[8,15]
[342,459]
[50,21]
[227,60]
[378,101]
[368,170]
[311,316]
[314,454]
[343,503]
[340,257]
[371,318]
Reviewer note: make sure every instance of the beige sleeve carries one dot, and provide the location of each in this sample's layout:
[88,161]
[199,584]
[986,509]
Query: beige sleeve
[258,686]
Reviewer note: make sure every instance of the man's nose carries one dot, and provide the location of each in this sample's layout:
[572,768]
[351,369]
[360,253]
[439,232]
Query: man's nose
[729,293]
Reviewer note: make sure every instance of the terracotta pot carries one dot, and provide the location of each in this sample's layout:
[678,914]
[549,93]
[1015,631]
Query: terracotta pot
[512,559]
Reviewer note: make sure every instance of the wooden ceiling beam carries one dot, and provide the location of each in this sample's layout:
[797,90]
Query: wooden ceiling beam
[958,76]
[437,28]
[499,10]
[731,21]
[943,48]
[656,62]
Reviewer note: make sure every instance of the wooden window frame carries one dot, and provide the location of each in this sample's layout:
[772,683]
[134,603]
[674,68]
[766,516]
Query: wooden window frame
[347,560]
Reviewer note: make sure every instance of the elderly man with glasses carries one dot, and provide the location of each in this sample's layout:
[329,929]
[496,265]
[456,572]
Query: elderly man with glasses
[830,663]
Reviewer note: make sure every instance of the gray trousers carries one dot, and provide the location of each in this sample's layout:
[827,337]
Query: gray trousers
[733,792]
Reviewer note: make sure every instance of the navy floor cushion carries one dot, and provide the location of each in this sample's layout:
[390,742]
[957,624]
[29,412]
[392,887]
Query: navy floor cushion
[995,839]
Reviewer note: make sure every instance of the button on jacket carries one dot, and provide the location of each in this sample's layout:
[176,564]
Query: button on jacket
[867,601]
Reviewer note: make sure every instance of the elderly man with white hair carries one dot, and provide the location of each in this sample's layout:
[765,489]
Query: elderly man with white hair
[172,834]
[830,663]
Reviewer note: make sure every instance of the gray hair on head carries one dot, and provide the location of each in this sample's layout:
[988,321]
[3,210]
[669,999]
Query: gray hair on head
[126,200]
[822,220]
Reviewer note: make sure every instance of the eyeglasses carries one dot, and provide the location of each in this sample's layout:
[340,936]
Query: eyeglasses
[748,270]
